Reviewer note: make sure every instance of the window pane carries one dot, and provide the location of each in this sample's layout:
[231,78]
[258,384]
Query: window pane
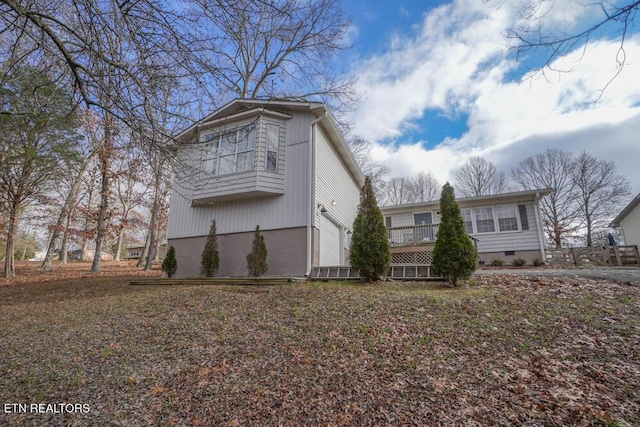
[228,143]
[246,139]
[226,164]
[484,220]
[273,137]
[466,218]
[523,217]
[507,220]
[272,161]
[245,161]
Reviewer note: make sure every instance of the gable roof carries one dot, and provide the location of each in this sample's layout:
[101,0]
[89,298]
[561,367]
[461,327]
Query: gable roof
[514,196]
[278,107]
[626,211]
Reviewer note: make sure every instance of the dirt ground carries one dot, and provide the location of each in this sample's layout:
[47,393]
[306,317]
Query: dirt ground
[29,272]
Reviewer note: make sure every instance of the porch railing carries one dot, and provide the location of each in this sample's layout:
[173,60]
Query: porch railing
[412,235]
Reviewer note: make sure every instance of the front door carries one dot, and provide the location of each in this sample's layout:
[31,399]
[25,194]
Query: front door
[424,219]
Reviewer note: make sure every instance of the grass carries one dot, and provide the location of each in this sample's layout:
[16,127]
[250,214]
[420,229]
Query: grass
[504,351]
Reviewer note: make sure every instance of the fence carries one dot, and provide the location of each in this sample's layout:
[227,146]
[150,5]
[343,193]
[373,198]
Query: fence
[595,255]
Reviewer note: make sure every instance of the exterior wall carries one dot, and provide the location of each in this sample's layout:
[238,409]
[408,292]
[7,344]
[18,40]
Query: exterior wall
[289,210]
[485,258]
[526,243]
[286,253]
[335,189]
[631,227]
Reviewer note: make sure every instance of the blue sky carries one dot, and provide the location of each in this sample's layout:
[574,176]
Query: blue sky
[439,85]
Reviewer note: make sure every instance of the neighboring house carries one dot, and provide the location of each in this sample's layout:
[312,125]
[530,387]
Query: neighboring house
[135,252]
[629,222]
[77,255]
[282,165]
[504,226]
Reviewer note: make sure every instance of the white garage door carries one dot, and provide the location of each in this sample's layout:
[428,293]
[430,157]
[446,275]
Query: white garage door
[329,243]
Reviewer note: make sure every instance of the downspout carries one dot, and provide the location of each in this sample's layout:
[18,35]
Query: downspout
[312,190]
[536,211]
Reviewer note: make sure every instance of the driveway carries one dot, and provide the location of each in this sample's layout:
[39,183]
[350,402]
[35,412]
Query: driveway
[621,274]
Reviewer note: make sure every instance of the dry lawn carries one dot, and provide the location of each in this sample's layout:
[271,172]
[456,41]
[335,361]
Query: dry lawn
[504,351]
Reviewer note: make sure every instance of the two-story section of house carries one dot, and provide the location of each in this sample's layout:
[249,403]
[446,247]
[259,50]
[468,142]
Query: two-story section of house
[503,226]
[281,165]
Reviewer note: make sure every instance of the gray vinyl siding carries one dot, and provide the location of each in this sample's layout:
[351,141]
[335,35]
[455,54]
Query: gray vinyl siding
[288,210]
[487,242]
[334,182]
[630,225]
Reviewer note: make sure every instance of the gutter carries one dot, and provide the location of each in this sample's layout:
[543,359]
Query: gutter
[539,225]
[312,190]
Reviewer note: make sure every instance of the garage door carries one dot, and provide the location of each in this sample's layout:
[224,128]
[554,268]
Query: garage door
[329,243]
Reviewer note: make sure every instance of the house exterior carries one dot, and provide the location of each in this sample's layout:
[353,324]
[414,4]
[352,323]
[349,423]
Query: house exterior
[281,165]
[628,221]
[503,226]
[135,252]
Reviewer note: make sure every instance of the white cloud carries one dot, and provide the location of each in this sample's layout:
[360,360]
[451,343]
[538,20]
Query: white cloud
[458,62]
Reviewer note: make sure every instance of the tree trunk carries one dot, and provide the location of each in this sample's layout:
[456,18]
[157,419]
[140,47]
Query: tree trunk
[119,245]
[153,224]
[145,252]
[9,258]
[64,253]
[104,156]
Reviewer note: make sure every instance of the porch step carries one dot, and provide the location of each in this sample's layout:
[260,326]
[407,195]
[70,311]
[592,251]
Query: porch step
[396,271]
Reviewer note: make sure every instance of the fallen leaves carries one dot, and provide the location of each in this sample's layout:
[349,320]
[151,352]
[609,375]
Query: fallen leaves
[504,351]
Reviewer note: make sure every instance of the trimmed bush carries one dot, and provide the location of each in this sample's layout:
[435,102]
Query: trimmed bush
[518,262]
[538,262]
[496,262]
[370,251]
[170,263]
[257,258]
[454,255]
[210,256]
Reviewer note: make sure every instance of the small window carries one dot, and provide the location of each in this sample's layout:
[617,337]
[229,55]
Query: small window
[523,217]
[508,253]
[387,221]
[484,220]
[273,138]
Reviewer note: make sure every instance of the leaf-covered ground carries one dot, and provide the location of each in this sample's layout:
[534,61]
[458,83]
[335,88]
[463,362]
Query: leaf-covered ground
[503,351]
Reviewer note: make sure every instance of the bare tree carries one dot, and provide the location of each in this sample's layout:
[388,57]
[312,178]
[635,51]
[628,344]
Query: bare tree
[32,143]
[425,188]
[284,50]
[361,150]
[600,192]
[397,191]
[560,210]
[555,41]
[479,177]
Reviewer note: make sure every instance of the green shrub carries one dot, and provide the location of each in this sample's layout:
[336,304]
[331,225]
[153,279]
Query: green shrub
[538,262]
[518,262]
[370,251]
[496,262]
[170,264]
[257,258]
[210,256]
[454,255]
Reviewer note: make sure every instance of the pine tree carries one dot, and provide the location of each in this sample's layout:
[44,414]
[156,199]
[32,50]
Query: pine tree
[370,252]
[170,264]
[257,258]
[210,256]
[454,255]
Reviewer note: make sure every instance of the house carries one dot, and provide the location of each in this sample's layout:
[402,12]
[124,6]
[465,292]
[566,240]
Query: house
[503,226]
[281,165]
[89,254]
[628,220]
[135,252]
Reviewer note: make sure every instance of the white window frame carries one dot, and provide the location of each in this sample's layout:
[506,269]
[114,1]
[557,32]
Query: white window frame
[212,154]
[269,147]
[497,212]
[496,223]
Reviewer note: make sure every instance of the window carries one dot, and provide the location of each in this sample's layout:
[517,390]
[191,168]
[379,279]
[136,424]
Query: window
[468,221]
[507,220]
[387,221]
[229,151]
[484,220]
[523,217]
[273,139]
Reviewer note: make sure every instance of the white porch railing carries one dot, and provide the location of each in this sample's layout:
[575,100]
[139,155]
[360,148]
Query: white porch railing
[412,235]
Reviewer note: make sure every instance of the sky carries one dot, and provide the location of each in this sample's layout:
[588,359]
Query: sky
[439,84]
